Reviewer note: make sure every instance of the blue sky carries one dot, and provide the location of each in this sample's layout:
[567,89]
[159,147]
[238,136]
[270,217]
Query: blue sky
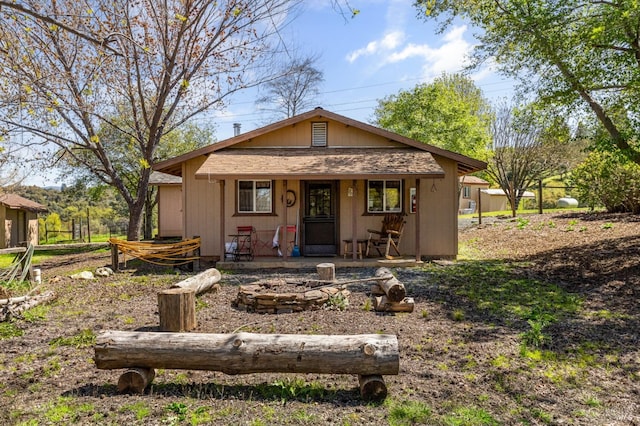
[381,51]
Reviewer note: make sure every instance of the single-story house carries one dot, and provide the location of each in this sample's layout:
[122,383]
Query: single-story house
[169,204]
[469,195]
[326,177]
[20,218]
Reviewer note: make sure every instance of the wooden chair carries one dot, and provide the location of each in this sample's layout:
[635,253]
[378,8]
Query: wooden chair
[388,237]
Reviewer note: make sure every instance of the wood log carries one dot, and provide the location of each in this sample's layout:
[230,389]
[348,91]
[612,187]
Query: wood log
[383,304]
[372,387]
[393,288]
[242,353]
[376,290]
[326,271]
[17,305]
[201,282]
[177,309]
[135,380]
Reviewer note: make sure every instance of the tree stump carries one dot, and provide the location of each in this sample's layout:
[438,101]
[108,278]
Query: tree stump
[326,271]
[177,309]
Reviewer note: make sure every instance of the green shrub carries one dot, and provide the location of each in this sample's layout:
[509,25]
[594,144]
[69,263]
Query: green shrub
[609,180]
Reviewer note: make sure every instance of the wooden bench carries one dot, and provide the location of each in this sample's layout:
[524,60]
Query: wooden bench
[368,355]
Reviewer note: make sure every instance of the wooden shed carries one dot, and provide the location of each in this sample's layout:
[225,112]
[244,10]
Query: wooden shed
[20,218]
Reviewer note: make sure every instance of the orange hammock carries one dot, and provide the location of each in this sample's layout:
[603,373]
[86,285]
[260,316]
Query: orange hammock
[169,254]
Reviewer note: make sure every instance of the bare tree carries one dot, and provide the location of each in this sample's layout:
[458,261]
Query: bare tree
[295,90]
[153,65]
[524,151]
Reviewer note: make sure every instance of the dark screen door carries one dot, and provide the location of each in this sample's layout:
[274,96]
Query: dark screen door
[319,218]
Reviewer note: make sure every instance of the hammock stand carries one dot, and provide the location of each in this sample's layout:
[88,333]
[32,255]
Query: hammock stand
[163,254]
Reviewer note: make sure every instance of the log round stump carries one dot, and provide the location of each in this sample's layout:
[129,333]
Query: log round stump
[326,271]
[177,309]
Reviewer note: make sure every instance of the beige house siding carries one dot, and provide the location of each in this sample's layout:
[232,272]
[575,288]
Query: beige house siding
[299,135]
[439,213]
[201,207]
[170,211]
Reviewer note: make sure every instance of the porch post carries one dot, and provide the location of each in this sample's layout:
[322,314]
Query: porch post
[418,220]
[354,222]
[283,242]
[223,248]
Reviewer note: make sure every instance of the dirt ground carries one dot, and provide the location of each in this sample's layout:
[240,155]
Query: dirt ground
[461,361]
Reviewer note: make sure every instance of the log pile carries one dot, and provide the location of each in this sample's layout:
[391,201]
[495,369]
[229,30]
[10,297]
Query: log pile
[389,294]
[14,306]
[262,299]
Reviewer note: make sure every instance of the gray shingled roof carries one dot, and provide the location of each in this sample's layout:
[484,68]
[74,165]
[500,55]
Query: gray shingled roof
[305,163]
[159,178]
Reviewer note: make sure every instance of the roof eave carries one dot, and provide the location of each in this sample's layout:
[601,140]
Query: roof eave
[307,176]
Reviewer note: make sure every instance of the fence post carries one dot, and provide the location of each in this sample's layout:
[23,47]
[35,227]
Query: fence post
[88,225]
[539,196]
[479,207]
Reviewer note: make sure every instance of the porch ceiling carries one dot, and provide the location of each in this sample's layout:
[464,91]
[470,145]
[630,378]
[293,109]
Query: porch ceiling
[319,163]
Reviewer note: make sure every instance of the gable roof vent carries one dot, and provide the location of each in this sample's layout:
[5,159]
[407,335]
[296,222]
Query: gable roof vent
[319,134]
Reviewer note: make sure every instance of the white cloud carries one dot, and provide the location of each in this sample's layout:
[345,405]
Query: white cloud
[448,54]
[389,42]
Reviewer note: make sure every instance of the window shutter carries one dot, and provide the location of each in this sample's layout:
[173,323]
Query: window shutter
[318,134]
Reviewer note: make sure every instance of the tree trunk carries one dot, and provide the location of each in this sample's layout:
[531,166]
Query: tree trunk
[135,220]
[242,353]
[149,205]
[136,203]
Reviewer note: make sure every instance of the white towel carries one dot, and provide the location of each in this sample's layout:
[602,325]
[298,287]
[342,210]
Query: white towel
[276,240]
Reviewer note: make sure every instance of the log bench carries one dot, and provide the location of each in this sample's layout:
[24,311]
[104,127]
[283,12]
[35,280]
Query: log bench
[369,356]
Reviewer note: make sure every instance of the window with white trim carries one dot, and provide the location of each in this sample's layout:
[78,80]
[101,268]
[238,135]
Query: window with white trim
[255,196]
[466,192]
[384,196]
[319,133]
